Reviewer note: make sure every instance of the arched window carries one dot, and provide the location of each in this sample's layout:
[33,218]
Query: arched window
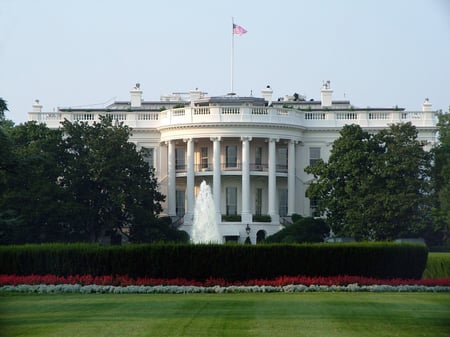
[260,236]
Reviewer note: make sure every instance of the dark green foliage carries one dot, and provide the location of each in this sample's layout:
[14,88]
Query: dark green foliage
[441,182]
[375,187]
[438,266]
[30,191]
[231,218]
[85,186]
[3,108]
[302,230]
[296,217]
[230,262]
[158,231]
[262,218]
[109,182]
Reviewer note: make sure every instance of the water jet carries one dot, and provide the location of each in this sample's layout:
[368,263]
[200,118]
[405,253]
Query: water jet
[205,228]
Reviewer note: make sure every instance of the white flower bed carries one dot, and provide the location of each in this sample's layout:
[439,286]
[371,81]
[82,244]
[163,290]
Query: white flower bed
[293,288]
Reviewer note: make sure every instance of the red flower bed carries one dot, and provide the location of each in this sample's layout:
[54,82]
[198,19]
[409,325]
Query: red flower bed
[124,280]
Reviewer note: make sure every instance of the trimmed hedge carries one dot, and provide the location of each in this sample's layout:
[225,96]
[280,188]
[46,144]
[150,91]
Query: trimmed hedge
[438,266]
[230,262]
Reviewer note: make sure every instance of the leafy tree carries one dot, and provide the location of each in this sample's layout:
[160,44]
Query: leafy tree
[111,186]
[374,187]
[3,108]
[344,188]
[6,153]
[78,183]
[30,198]
[305,229]
[441,179]
[403,169]
[7,160]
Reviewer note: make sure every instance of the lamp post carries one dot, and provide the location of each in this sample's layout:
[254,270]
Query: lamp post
[247,230]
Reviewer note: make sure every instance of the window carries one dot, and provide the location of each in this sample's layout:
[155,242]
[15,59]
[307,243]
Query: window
[314,155]
[258,155]
[260,236]
[231,200]
[180,202]
[313,205]
[147,155]
[204,158]
[231,156]
[283,207]
[282,159]
[258,201]
[180,158]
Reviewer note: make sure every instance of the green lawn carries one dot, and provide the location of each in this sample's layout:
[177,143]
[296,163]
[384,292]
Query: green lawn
[213,315]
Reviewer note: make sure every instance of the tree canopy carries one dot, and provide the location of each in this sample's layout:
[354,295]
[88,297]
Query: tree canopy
[441,178]
[304,229]
[374,186]
[3,108]
[78,183]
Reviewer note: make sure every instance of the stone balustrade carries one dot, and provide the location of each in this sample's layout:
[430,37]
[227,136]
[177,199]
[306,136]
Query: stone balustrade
[369,118]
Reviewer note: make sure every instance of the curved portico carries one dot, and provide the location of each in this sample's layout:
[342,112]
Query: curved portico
[250,165]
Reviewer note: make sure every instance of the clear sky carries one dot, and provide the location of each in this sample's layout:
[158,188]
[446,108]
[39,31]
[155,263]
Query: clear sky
[377,53]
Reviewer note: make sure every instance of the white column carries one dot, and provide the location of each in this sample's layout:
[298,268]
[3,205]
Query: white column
[272,180]
[291,177]
[246,215]
[190,180]
[217,178]
[171,183]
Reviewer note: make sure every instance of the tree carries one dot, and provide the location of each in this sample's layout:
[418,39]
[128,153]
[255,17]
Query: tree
[344,185]
[3,108]
[111,186]
[31,198]
[373,187]
[441,179]
[305,229]
[403,169]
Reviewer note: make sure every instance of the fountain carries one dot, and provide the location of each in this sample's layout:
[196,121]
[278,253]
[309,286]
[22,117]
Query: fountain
[205,228]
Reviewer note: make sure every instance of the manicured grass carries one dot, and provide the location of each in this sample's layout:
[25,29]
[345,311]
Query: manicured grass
[214,315]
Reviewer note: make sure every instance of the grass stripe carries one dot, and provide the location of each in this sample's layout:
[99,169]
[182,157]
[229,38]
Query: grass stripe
[309,314]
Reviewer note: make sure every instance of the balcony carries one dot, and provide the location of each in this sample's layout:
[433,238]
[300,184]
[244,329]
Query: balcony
[373,118]
[208,169]
[316,118]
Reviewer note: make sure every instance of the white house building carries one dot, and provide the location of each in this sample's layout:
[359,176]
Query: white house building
[252,151]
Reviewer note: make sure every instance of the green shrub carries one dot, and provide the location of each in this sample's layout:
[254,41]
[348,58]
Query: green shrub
[231,218]
[438,266]
[302,230]
[262,218]
[231,262]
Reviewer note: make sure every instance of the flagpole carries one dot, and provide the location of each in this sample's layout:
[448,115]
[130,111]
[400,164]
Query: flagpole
[232,54]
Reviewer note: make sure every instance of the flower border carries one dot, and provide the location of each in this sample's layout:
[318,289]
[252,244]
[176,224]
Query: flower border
[121,284]
[292,288]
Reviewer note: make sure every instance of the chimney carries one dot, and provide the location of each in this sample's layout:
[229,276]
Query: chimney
[136,96]
[326,94]
[266,93]
[195,95]
[426,106]
[36,106]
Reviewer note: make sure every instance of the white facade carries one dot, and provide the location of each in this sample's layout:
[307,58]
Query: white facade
[252,151]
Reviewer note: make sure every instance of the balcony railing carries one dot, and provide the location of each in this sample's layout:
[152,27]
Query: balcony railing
[263,167]
[203,167]
[259,167]
[244,114]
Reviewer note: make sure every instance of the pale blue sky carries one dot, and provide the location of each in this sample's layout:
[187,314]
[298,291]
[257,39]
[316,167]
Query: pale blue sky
[377,53]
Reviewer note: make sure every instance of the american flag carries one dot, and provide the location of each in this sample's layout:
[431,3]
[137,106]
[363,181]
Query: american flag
[238,29]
